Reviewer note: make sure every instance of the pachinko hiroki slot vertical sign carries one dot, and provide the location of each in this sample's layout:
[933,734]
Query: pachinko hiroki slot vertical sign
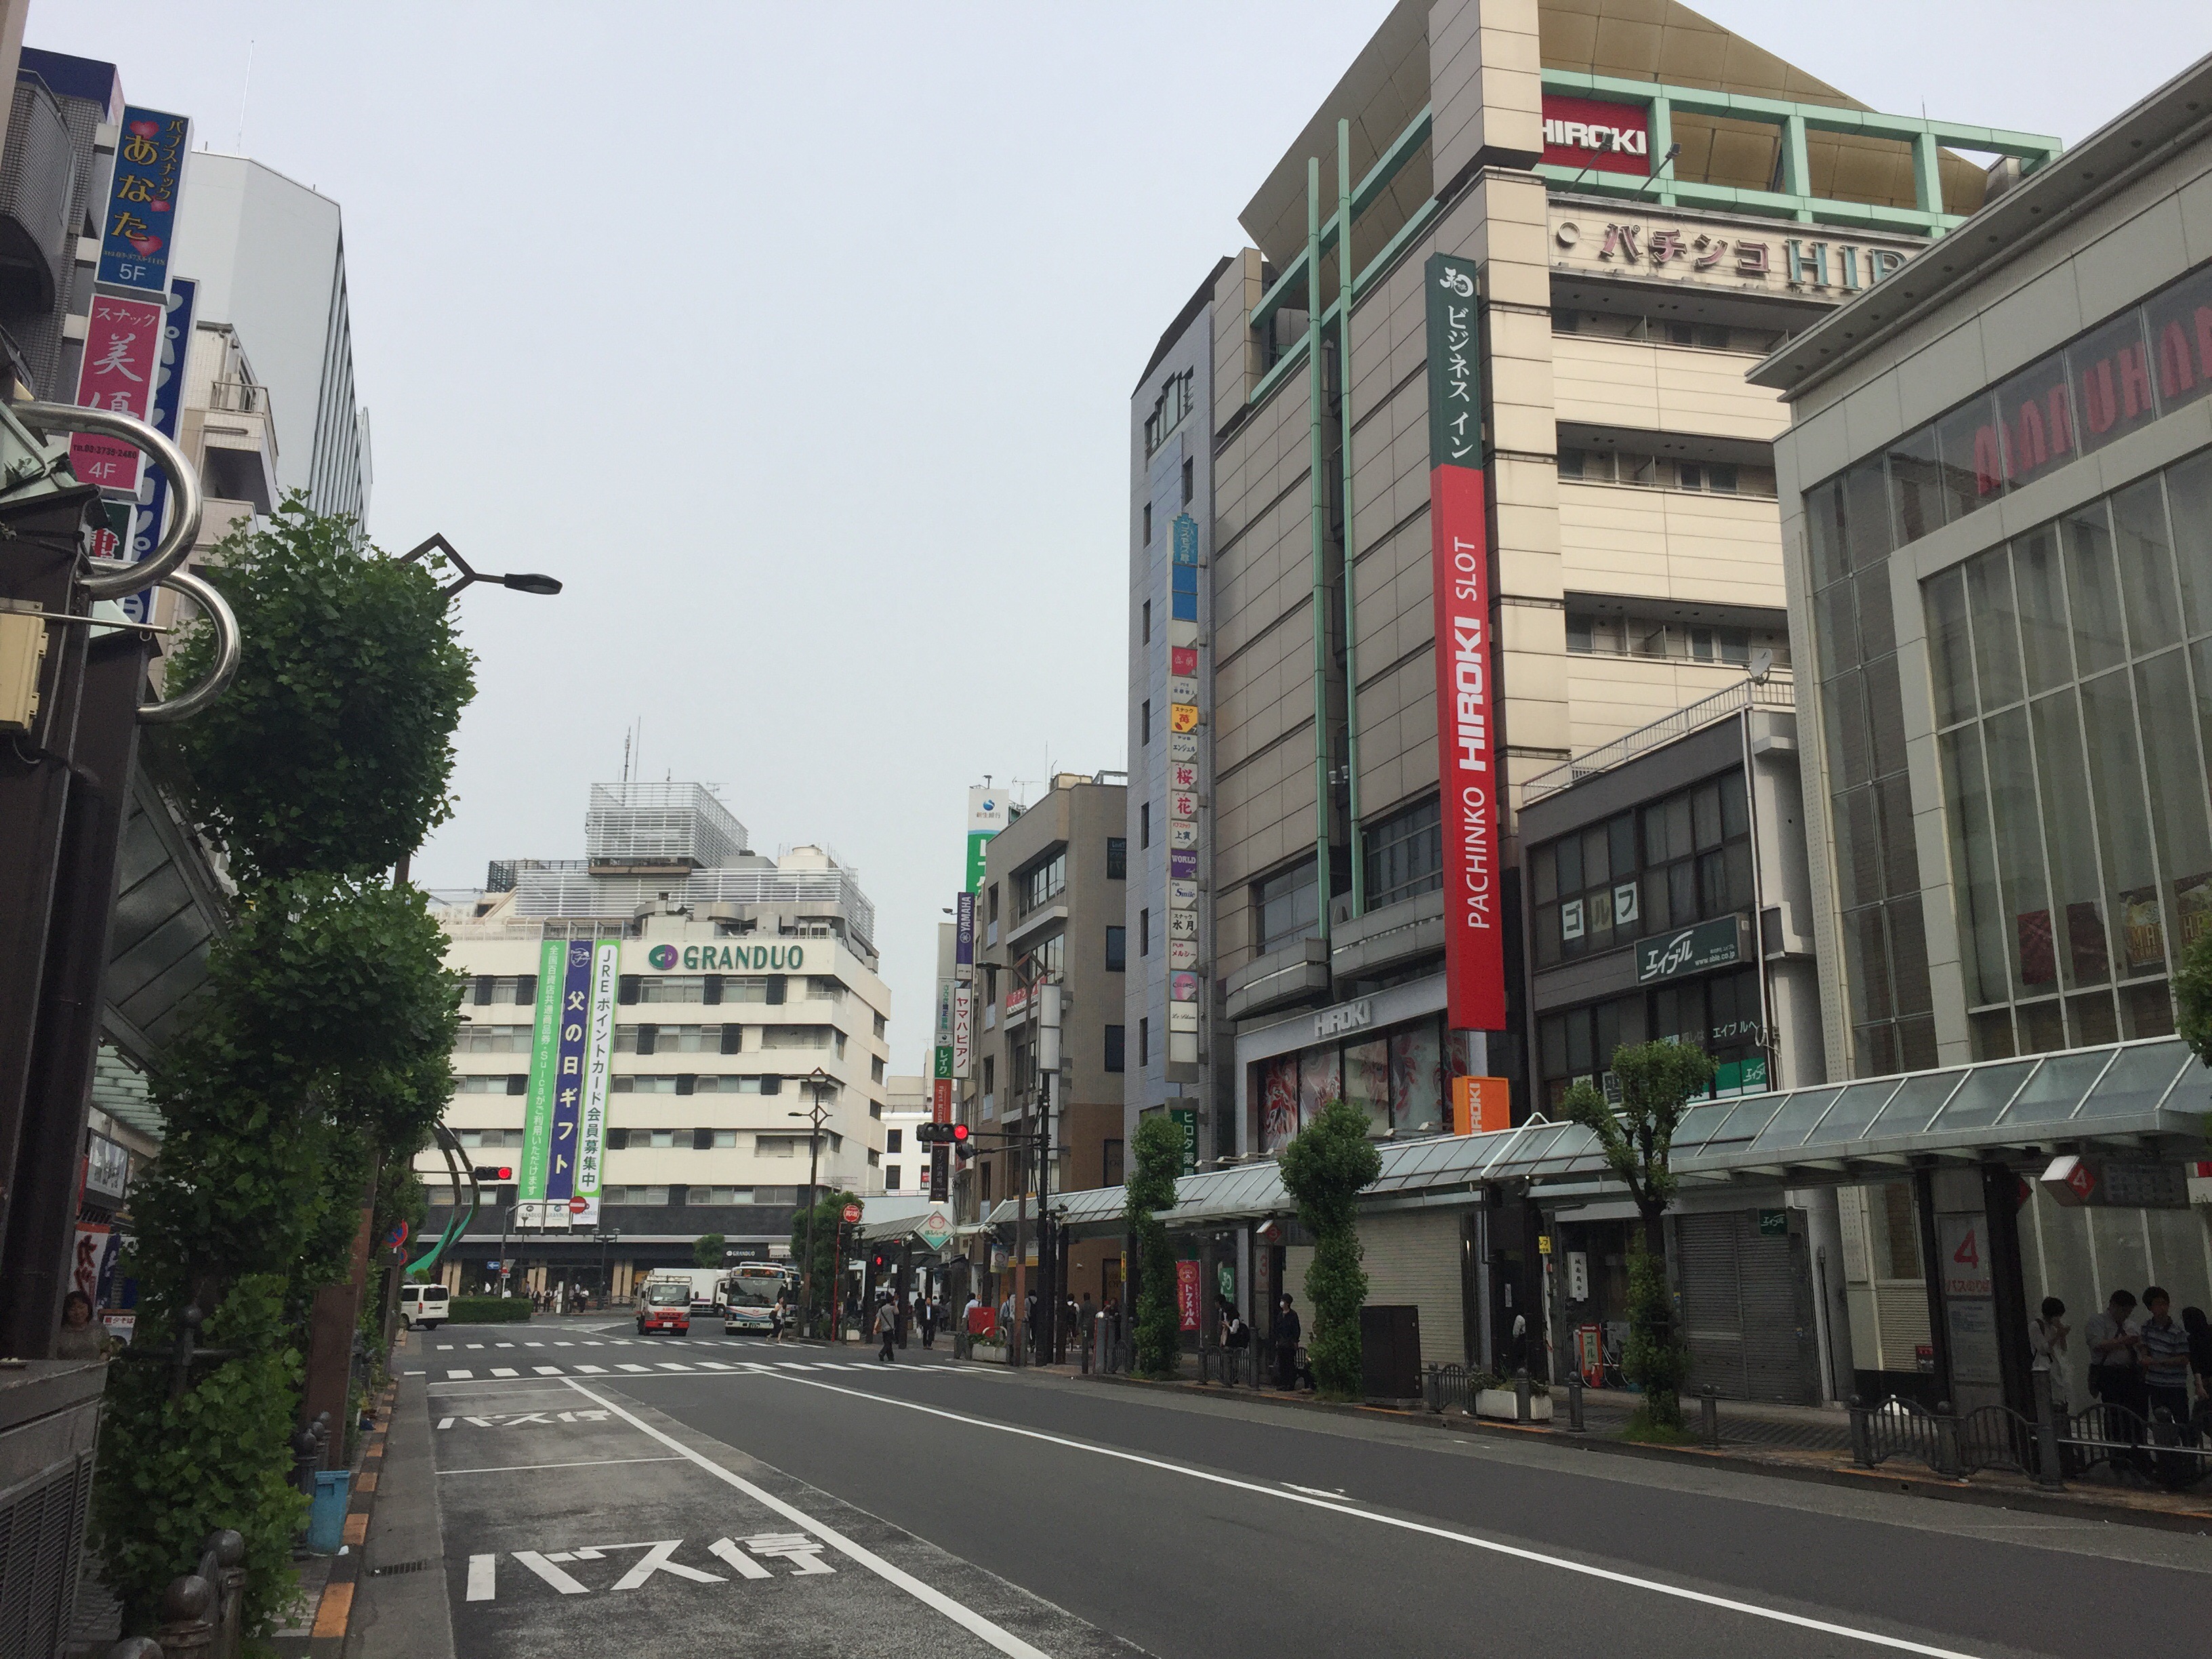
[564,1119]
[1471,791]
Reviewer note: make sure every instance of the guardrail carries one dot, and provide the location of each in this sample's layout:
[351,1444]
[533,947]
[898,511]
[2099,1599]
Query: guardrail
[1778,690]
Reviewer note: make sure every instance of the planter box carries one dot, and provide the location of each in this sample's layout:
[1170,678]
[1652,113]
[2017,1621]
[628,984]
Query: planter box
[994,1352]
[1504,1402]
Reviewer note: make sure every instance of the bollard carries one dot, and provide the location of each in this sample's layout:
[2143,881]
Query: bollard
[2048,1472]
[307,1452]
[135,1647]
[1709,1414]
[1946,1440]
[222,1563]
[1432,1386]
[1861,1433]
[1521,1411]
[1575,1401]
[187,1618]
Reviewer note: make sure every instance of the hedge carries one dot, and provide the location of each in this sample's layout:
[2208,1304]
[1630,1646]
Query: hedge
[488,1311]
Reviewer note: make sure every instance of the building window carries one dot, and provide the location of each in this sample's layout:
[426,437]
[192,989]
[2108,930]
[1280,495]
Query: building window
[715,1195]
[1144,932]
[1148,524]
[1404,855]
[1593,891]
[1144,723]
[1148,622]
[1144,1042]
[2072,671]
[1114,1045]
[875,1068]
[1043,883]
[1117,949]
[1286,908]
[1117,858]
[1175,402]
[891,1178]
[651,1197]
[1109,1164]
[894,1141]
[1189,480]
[1716,1012]
[776,1146]
[1144,824]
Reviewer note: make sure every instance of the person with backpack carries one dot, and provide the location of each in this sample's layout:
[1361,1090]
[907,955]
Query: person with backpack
[887,1328]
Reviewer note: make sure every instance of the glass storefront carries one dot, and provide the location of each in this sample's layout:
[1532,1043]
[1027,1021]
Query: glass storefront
[2072,673]
[1398,1077]
[1685,858]
[1718,1012]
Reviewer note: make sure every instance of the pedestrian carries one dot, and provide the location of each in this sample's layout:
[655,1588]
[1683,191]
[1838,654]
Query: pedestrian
[1033,1322]
[82,1337]
[2115,1358]
[887,1328]
[929,1322]
[1006,1318]
[1086,1322]
[2046,1338]
[2200,1353]
[1286,1334]
[779,1316]
[2163,1344]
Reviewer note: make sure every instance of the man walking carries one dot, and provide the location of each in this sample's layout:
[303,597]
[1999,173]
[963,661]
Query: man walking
[887,1328]
[929,1322]
[2164,1347]
[1286,1334]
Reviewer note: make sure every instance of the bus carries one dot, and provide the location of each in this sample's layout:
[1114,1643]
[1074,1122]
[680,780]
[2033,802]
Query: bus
[749,1293]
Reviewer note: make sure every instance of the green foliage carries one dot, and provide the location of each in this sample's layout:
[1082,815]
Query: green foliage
[173,1471]
[399,1197]
[1324,1169]
[828,1217]
[332,748]
[706,1249]
[1158,1327]
[2192,999]
[1657,1082]
[488,1311]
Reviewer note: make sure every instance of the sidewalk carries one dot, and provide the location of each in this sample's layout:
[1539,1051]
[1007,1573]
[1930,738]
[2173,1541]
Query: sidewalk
[1801,1442]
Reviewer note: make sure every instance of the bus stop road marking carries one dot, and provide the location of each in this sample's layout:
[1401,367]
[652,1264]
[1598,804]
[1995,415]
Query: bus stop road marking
[587,1463]
[966,1617]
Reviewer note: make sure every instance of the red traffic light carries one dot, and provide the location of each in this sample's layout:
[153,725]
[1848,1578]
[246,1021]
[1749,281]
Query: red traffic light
[959,1136]
[493,1172]
[935,1134]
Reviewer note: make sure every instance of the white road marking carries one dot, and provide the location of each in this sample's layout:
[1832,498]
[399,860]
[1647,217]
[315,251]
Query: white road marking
[656,1560]
[1316,1491]
[502,1345]
[551,1574]
[463,1375]
[1517,1552]
[445,1347]
[481,1581]
[475,1344]
[966,1617]
[588,1463]
[647,1370]
[593,1370]
[445,1422]
[671,1366]
[505,1370]
[711,1364]
[724,1550]
[547,1371]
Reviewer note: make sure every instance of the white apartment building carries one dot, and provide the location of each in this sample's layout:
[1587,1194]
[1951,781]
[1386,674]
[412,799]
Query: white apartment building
[746,993]
[905,1161]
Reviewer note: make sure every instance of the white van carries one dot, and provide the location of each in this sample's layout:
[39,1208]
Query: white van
[423,1305]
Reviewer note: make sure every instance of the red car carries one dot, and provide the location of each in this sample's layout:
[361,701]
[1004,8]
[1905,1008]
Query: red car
[665,1305]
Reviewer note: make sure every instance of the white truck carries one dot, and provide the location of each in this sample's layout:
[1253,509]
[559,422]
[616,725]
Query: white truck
[705,1284]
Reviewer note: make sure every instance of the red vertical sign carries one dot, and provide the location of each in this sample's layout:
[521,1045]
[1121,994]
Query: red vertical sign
[122,359]
[1468,784]
[1186,1294]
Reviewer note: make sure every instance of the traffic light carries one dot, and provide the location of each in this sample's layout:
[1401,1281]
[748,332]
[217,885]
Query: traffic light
[935,1134]
[493,1172]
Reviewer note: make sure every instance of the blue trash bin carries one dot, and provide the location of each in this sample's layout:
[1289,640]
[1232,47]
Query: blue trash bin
[326,1518]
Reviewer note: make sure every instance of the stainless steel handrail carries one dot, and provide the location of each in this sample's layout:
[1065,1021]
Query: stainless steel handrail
[172,709]
[110,579]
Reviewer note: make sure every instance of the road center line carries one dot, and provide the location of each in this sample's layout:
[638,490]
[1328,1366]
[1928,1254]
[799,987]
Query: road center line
[1515,1550]
[589,1463]
[966,1617]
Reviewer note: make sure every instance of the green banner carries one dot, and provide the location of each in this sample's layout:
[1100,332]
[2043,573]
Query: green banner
[1185,1118]
[977,841]
[544,1058]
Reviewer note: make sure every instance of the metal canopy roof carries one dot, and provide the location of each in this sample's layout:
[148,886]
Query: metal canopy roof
[2128,1092]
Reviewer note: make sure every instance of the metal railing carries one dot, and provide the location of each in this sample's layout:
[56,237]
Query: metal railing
[238,398]
[1775,691]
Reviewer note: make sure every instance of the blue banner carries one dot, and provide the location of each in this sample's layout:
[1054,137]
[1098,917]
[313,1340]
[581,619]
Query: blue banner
[568,1072]
[138,232]
[168,397]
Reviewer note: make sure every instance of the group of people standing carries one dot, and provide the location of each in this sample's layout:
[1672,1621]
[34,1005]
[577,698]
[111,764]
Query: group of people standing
[2143,1357]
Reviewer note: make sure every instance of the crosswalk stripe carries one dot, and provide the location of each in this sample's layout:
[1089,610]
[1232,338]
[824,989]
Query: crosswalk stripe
[460,1377]
[671,1366]
[547,1371]
[717,1365]
[505,1370]
[634,1368]
[592,1370]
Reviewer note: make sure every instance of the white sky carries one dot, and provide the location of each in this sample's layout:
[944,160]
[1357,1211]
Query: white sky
[798,341]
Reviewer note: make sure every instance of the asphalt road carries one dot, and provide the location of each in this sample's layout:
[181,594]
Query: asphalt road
[1040,1516]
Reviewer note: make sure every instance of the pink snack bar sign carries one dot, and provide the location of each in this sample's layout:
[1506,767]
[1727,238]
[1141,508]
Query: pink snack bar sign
[122,357]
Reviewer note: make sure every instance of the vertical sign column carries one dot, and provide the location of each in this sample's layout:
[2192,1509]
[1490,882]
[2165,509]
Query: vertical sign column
[1459,538]
[940,1086]
[1185,716]
[145,513]
[591,1115]
[987,816]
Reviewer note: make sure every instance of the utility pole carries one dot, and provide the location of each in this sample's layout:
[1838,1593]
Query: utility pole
[1048,1018]
[818,1082]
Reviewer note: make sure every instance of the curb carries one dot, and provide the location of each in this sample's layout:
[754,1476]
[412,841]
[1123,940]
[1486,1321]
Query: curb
[2192,1522]
[331,1623]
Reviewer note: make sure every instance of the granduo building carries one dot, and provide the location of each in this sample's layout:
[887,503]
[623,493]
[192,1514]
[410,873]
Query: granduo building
[647,1032]
[1452,483]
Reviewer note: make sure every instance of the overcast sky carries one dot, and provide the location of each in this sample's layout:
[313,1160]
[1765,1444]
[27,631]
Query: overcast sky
[798,341]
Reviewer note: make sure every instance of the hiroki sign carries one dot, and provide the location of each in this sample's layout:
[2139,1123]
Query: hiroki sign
[1746,256]
[1601,137]
[1467,738]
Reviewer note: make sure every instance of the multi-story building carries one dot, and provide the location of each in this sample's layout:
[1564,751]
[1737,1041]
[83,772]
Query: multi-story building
[1630,213]
[1996,501]
[54,173]
[905,1168]
[745,994]
[1050,911]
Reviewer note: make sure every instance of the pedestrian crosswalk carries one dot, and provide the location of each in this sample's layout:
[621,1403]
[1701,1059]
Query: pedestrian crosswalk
[743,1367]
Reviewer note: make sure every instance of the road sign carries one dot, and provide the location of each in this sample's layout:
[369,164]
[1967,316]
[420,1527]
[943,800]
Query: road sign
[935,1230]
[397,1236]
[578,1205]
[851,1213]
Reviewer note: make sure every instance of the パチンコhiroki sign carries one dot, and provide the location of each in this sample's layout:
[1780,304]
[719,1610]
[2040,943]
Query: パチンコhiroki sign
[1467,750]
[564,1128]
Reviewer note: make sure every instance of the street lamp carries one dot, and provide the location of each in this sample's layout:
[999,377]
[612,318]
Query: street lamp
[522,581]
[818,1082]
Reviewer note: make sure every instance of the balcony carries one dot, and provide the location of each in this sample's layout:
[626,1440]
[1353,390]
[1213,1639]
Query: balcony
[239,397]
[1366,947]
[1298,973]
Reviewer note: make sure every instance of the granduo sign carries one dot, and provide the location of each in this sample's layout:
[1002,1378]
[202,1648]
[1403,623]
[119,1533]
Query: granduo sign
[1459,532]
[738,958]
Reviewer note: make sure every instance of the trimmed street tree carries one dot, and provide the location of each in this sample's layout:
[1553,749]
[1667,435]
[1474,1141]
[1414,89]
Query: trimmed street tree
[1324,1169]
[829,1219]
[1657,1082]
[1158,1327]
[706,1249]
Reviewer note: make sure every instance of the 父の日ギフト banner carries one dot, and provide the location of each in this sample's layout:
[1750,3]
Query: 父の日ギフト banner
[1468,785]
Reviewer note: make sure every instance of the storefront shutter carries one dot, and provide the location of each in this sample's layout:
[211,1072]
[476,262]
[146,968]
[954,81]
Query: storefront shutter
[1414,1259]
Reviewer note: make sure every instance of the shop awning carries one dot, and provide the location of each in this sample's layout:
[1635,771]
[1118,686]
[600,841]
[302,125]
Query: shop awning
[2138,1094]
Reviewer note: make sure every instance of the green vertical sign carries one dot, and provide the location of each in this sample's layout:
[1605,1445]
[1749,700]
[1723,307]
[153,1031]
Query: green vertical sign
[1185,1118]
[544,1058]
[978,842]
